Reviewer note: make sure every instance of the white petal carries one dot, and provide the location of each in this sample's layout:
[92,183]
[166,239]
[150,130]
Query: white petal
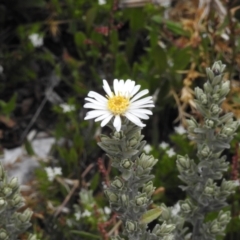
[107,88]
[135,90]
[121,86]
[95,101]
[142,93]
[94,106]
[139,115]
[97,96]
[127,84]
[130,87]
[141,106]
[106,120]
[103,116]
[145,111]
[142,101]
[94,113]
[117,123]
[115,86]
[134,119]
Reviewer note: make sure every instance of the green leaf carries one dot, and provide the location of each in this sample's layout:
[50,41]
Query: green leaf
[79,39]
[114,41]
[137,19]
[181,58]
[175,27]
[85,234]
[8,107]
[30,3]
[73,155]
[95,182]
[160,59]
[28,147]
[151,215]
[90,17]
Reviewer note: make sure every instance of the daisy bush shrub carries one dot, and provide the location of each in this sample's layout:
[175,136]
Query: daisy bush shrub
[130,193]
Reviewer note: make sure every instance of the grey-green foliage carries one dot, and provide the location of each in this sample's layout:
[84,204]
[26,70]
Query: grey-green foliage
[207,191]
[12,223]
[130,193]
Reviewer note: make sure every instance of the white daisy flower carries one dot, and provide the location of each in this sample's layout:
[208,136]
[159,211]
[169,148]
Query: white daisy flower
[101,2]
[53,172]
[78,215]
[36,40]
[176,209]
[107,210]
[123,101]
[170,152]
[147,148]
[66,107]
[86,213]
[180,130]
[163,145]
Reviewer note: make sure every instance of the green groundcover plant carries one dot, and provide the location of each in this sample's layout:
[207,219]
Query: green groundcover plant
[130,192]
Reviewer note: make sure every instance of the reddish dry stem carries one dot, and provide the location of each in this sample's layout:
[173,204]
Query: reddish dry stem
[104,171]
[235,164]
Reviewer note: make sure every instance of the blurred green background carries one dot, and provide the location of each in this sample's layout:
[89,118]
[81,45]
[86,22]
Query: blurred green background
[53,52]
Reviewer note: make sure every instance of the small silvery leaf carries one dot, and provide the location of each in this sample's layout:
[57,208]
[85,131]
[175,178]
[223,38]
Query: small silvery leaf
[3,205]
[205,151]
[117,183]
[2,175]
[215,97]
[25,216]
[183,163]
[7,191]
[131,226]
[148,188]
[146,161]
[209,123]
[224,217]
[126,164]
[124,199]
[164,230]
[112,197]
[3,234]
[224,89]
[203,99]
[225,117]
[227,186]
[16,201]
[126,174]
[141,199]
[207,87]
[192,123]
[214,228]
[216,80]
[187,206]
[166,212]
[218,68]
[32,237]
[215,109]
[13,184]
[210,74]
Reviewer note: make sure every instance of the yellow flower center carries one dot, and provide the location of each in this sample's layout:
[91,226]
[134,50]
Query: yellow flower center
[118,104]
